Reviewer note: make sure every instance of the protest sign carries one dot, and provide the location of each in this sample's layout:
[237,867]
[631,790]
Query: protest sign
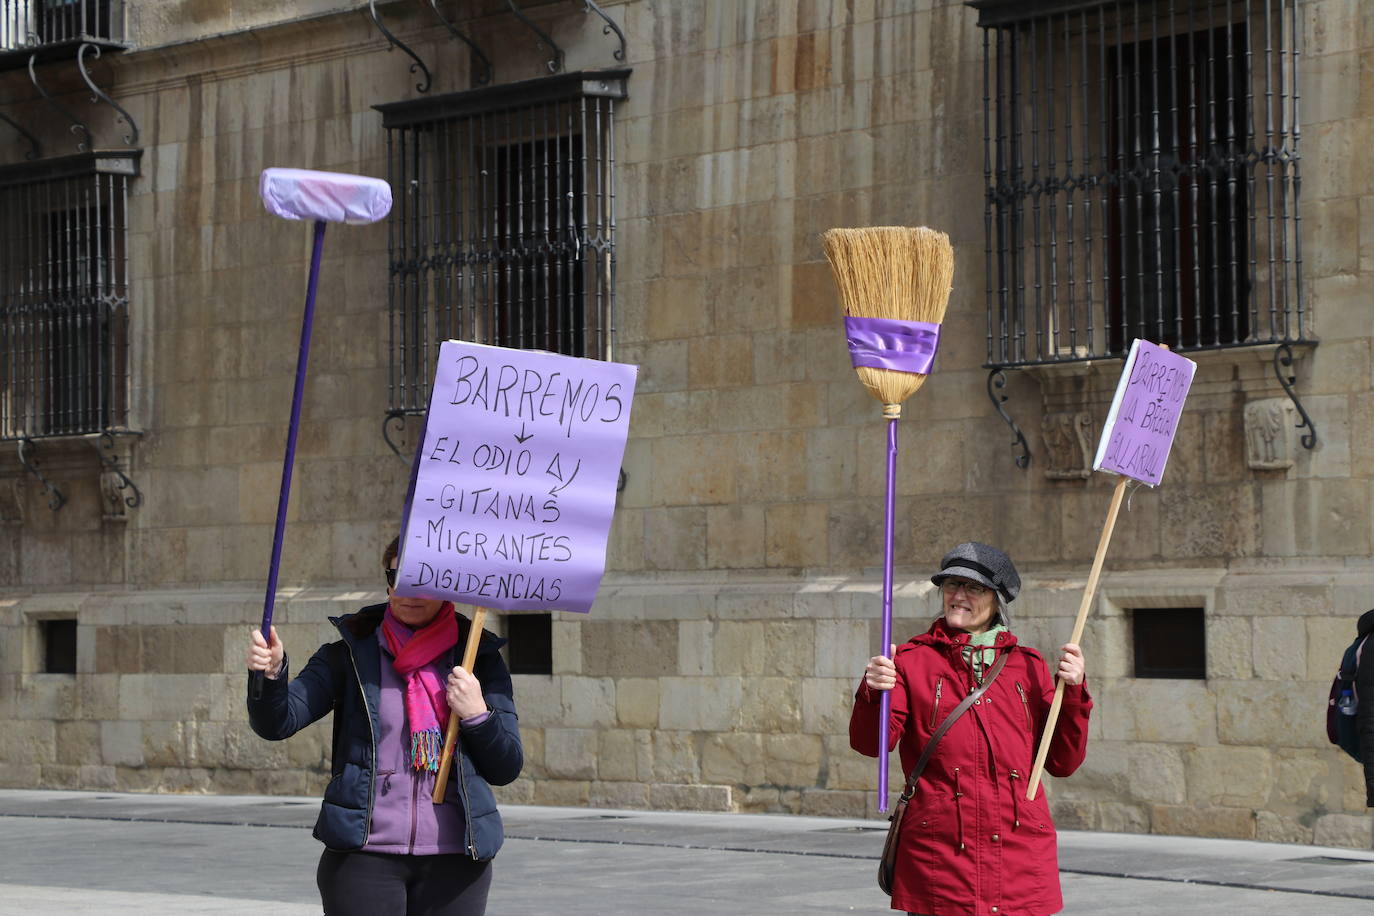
[1135,443]
[514,482]
[1144,416]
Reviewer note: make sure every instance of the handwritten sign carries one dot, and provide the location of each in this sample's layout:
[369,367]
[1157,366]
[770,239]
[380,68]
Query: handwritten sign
[1145,412]
[514,482]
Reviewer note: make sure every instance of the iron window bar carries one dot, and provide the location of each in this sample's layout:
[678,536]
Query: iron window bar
[64,296]
[55,29]
[503,230]
[1142,168]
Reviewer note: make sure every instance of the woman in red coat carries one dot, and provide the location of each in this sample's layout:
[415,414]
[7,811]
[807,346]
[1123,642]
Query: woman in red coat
[971,843]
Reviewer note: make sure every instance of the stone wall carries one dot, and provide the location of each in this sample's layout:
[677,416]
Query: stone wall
[742,596]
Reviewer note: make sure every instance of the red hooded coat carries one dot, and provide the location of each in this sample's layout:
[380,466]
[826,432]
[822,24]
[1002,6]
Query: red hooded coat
[971,843]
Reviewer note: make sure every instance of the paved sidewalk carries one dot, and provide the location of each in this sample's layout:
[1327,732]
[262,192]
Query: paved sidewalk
[115,854]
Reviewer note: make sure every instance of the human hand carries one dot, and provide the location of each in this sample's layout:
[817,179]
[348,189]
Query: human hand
[264,658]
[464,694]
[1072,669]
[880,673]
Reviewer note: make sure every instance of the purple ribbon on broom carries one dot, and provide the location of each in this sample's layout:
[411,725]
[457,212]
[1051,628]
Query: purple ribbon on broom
[904,346]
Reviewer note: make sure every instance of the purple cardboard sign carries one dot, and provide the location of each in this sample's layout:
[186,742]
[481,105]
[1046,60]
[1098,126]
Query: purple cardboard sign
[1145,413]
[514,483]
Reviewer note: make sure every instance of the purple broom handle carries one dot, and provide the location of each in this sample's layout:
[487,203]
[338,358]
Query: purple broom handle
[302,362]
[885,703]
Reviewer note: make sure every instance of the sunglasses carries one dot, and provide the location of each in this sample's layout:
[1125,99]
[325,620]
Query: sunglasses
[391,577]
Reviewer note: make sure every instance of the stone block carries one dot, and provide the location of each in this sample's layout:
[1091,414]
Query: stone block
[675,538]
[588,702]
[1302,781]
[764,647]
[771,466]
[1230,777]
[828,803]
[538,699]
[1275,828]
[566,636]
[59,776]
[696,647]
[720,361]
[1230,647]
[695,470]
[520,792]
[1280,648]
[627,649]
[1223,823]
[792,760]
[846,768]
[20,775]
[77,743]
[570,753]
[30,742]
[1352,831]
[843,647]
[796,535]
[1116,817]
[670,797]
[532,740]
[121,743]
[1262,713]
[617,756]
[632,795]
[733,758]
[675,757]
[735,537]
[637,702]
[1164,711]
[1073,815]
[826,704]
[770,704]
[699,703]
[561,793]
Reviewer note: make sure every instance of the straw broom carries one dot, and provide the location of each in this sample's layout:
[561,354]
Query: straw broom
[903,275]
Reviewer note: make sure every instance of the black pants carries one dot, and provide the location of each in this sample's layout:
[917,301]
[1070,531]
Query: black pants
[377,884]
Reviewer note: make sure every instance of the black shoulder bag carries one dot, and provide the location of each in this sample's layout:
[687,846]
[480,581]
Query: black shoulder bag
[888,864]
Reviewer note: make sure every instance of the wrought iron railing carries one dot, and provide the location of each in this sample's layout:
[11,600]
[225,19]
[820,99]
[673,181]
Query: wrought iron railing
[32,24]
[1142,170]
[64,296]
[503,230]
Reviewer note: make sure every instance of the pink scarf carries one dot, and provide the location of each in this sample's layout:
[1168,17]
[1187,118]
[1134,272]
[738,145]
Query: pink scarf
[426,700]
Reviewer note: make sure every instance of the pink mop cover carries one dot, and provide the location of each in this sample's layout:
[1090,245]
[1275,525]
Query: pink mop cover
[332,197]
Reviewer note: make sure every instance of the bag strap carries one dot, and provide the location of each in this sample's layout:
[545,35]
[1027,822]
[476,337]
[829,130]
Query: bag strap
[963,707]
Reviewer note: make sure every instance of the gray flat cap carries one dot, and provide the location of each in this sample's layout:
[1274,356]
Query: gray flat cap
[981,563]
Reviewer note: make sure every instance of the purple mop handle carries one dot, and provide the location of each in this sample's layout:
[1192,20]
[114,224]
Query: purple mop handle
[302,363]
[885,703]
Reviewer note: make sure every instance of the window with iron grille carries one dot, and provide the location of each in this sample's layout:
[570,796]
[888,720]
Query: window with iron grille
[31,24]
[1142,169]
[503,229]
[64,296]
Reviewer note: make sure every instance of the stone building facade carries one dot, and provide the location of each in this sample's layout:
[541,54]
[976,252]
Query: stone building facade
[742,594]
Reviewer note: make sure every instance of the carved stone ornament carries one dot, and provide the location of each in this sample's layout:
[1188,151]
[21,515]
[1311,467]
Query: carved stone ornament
[1270,434]
[1068,439]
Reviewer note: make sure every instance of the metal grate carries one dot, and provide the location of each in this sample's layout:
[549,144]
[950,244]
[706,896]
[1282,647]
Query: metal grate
[64,296]
[1142,169]
[503,231]
[31,24]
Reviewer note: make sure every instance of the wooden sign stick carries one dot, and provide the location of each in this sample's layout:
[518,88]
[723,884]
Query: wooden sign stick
[479,617]
[1039,769]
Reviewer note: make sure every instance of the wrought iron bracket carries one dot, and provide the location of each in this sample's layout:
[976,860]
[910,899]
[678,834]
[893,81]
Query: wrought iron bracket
[114,483]
[608,27]
[397,43]
[399,417]
[35,148]
[77,126]
[998,379]
[97,95]
[556,62]
[1283,361]
[55,498]
[485,76]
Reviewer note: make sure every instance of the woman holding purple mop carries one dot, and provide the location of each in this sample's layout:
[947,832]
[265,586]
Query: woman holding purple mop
[392,681]
[970,841]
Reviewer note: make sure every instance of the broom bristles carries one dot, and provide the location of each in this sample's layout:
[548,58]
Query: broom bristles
[895,272]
